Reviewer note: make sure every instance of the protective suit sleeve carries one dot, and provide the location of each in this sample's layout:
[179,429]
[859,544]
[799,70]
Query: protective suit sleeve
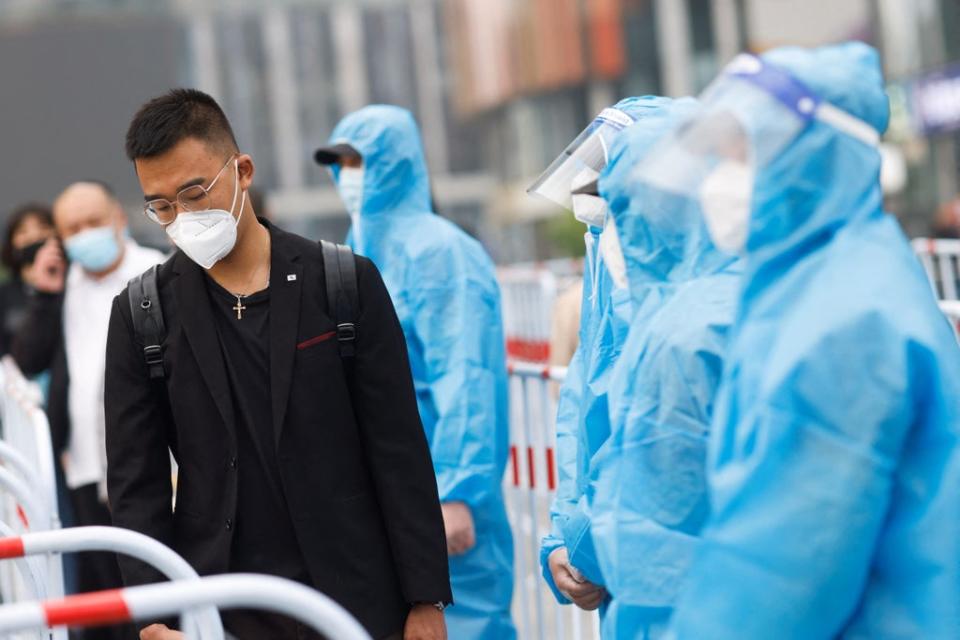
[459,327]
[800,487]
[565,500]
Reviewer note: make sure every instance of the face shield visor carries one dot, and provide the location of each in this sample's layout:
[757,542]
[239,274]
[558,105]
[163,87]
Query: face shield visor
[580,164]
[748,116]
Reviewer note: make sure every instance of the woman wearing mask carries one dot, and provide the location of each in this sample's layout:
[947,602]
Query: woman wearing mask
[29,227]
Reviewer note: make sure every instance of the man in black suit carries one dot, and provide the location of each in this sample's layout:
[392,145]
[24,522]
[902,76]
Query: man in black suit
[292,460]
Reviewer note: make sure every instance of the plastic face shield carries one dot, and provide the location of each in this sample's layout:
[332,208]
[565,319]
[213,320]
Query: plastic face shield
[582,160]
[747,117]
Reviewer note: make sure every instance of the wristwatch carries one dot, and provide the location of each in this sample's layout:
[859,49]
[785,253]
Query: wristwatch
[439,606]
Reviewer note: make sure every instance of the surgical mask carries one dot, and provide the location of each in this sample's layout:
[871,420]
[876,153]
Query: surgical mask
[94,249]
[612,255]
[350,187]
[589,209]
[208,236]
[725,198]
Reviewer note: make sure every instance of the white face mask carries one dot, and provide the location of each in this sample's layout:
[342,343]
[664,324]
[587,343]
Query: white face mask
[208,236]
[612,255]
[350,187]
[588,209]
[725,198]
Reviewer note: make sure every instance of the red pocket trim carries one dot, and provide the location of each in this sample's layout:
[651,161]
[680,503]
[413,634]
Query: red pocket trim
[312,341]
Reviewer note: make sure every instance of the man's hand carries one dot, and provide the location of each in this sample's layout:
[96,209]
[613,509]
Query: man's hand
[160,632]
[47,272]
[571,582]
[458,523]
[425,622]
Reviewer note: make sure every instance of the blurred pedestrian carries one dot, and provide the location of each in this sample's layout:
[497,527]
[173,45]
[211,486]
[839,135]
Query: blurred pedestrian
[29,227]
[66,332]
[445,290]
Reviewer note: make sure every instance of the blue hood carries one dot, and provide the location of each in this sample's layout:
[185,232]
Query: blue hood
[663,237]
[396,180]
[824,178]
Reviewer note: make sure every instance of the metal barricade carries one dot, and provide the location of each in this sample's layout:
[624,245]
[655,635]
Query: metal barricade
[941,260]
[204,624]
[155,601]
[530,486]
[529,292]
[29,487]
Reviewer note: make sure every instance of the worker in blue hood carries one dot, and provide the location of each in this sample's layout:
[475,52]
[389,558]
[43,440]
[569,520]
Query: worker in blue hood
[568,556]
[649,499]
[834,468]
[445,292]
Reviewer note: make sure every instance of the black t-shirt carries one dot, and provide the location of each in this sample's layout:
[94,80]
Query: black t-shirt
[264,540]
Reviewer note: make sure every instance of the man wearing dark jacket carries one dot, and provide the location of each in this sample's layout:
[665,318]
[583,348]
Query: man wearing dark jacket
[292,460]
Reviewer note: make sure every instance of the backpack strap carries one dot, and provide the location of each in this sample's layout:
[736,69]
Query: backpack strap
[343,298]
[148,326]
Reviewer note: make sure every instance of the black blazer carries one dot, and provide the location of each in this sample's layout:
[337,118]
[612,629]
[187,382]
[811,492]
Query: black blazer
[357,475]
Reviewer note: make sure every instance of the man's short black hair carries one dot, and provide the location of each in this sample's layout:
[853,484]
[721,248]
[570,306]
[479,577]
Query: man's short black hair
[166,120]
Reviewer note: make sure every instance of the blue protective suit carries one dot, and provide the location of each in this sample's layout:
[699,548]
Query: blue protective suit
[834,466]
[650,498]
[446,295]
[582,416]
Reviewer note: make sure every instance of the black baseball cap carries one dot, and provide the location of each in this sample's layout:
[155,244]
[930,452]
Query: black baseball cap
[333,153]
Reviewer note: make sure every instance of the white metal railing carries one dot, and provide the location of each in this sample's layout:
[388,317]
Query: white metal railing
[529,292]
[941,260]
[29,489]
[530,487]
[203,624]
[157,601]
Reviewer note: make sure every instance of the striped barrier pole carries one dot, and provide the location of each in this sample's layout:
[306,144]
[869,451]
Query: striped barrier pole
[124,541]
[156,601]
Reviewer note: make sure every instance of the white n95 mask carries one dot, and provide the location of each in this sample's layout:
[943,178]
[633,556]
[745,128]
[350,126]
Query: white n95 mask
[591,210]
[208,236]
[350,187]
[725,198]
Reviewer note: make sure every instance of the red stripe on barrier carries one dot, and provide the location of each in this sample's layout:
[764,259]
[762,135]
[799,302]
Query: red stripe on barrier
[515,463]
[23,516]
[104,607]
[529,350]
[532,468]
[11,548]
[551,471]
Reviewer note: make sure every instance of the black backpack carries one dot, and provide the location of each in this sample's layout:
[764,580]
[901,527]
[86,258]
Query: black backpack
[342,303]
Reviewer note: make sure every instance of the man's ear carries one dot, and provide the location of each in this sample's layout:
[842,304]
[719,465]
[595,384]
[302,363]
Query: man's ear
[246,170]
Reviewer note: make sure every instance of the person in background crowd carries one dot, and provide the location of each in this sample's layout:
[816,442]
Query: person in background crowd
[66,332]
[29,228]
[293,462]
[947,222]
[834,461]
[648,498]
[445,290]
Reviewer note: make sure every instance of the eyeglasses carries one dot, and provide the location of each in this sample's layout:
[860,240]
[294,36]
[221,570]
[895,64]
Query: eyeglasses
[195,198]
